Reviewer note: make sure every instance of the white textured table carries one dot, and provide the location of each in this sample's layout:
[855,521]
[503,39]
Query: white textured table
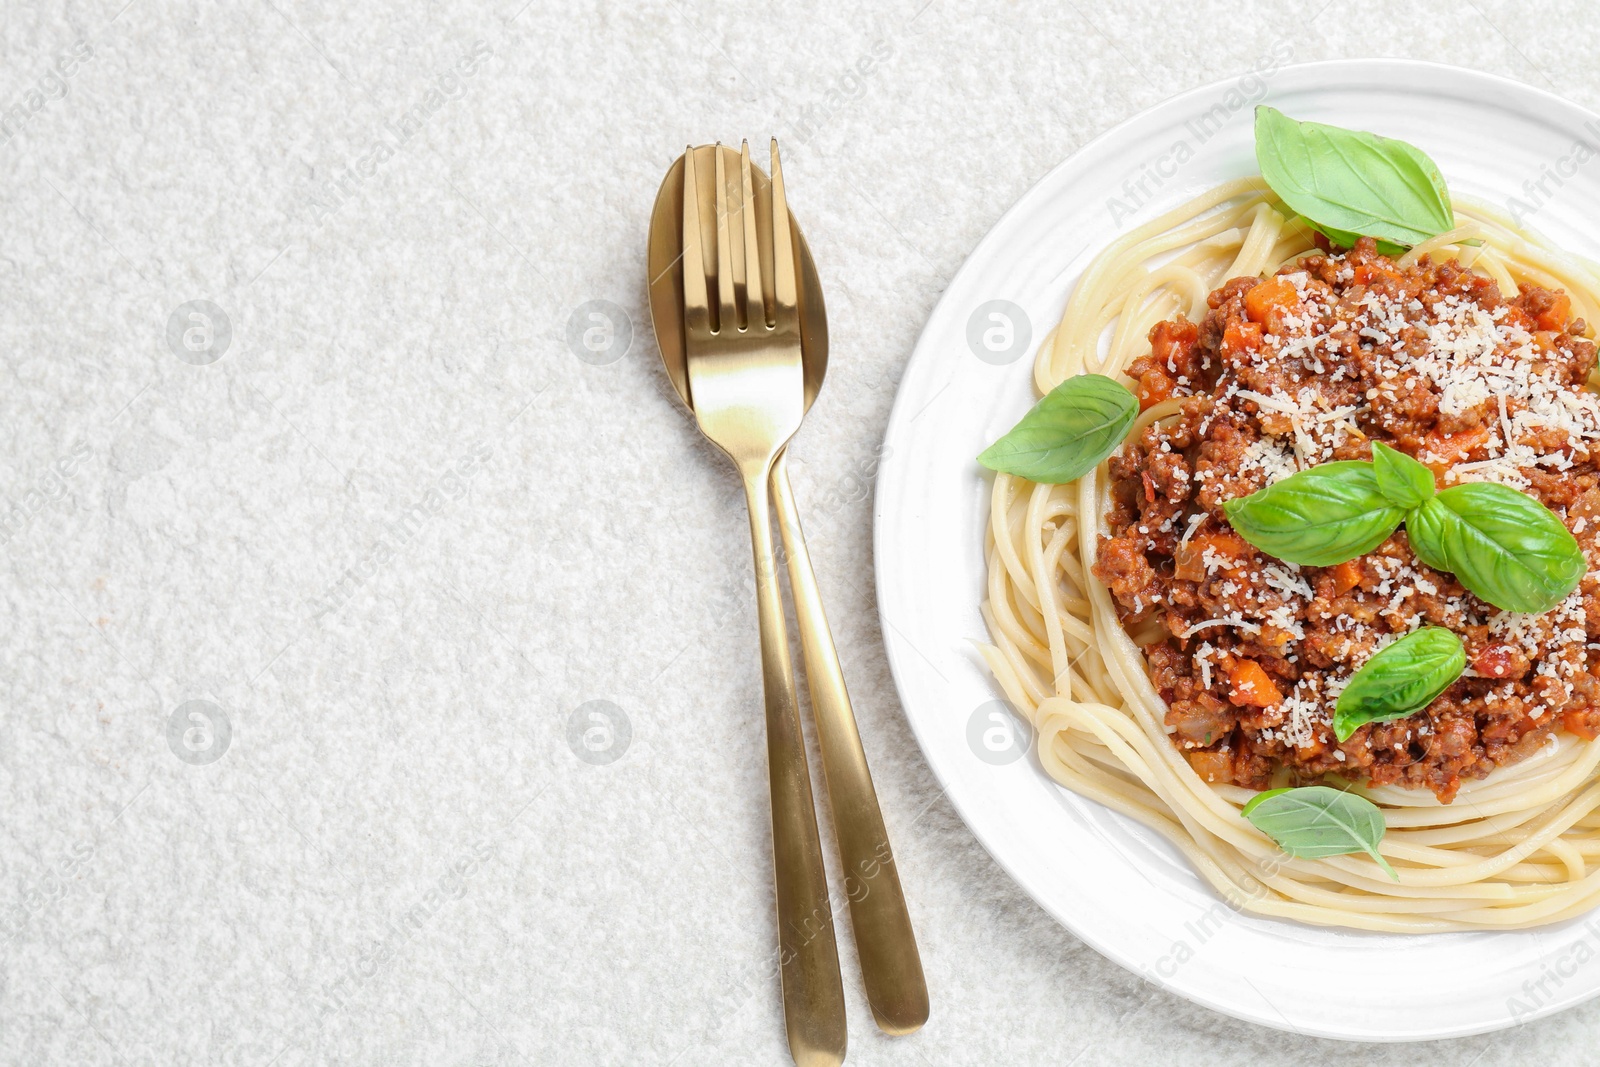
[372,511]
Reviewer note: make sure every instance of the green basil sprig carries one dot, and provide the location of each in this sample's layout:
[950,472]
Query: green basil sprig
[1318,517]
[1349,183]
[1508,549]
[1400,680]
[1504,546]
[1069,431]
[1315,821]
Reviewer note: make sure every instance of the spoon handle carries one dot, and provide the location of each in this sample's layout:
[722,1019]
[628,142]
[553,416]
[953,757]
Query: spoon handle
[885,941]
[808,956]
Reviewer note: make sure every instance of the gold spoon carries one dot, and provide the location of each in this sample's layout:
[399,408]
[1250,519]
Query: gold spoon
[890,965]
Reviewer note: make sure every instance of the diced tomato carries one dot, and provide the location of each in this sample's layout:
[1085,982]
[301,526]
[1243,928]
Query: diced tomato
[1172,345]
[1581,721]
[1453,448]
[1241,337]
[1212,766]
[1273,297]
[1346,576]
[1556,313]
[1251,686]
[1154,387]
[1228,548]
[1500,661]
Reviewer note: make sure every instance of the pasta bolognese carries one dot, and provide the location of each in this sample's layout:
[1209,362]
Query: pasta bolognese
[1340,554]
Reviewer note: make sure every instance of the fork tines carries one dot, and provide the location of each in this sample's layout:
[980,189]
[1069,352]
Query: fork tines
[742,296]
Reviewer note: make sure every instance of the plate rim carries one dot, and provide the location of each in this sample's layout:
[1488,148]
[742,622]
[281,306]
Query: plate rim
[923,353]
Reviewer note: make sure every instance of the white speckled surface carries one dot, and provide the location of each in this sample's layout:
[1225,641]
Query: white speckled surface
[398,533]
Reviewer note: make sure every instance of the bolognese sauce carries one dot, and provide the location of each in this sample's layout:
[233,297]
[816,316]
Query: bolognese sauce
[1333,353]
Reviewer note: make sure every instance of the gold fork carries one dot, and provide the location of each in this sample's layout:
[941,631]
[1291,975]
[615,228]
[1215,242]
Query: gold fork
[746,378]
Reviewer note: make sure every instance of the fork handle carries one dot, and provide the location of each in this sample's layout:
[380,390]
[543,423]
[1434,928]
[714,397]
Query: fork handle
[813,993]
[890,965]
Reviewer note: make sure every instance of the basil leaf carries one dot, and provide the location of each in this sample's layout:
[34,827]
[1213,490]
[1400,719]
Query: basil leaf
[1318,517]
[1504,546]
[1075,426]
[1351,181]
[1314,821]
[1407,483]
[1400,680]
[1345,239]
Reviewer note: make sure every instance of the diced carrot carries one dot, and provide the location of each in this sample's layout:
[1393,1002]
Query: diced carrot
[1227,548]
[1251,686]
[1212,766]
[1367,273]
[1515,316]
[1346,576]
[1272,295]
[1154,387]
[1581,721]
[1149,487]
[1189,566]
[1241,337]
[1555,314]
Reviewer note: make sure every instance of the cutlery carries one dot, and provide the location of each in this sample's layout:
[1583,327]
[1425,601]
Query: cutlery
[890,965]
[743,368]
[886,943]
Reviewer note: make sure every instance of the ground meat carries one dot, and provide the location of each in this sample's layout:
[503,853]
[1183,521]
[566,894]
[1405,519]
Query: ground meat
[1335,352]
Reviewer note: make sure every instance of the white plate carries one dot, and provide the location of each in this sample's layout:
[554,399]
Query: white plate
[1116,885]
